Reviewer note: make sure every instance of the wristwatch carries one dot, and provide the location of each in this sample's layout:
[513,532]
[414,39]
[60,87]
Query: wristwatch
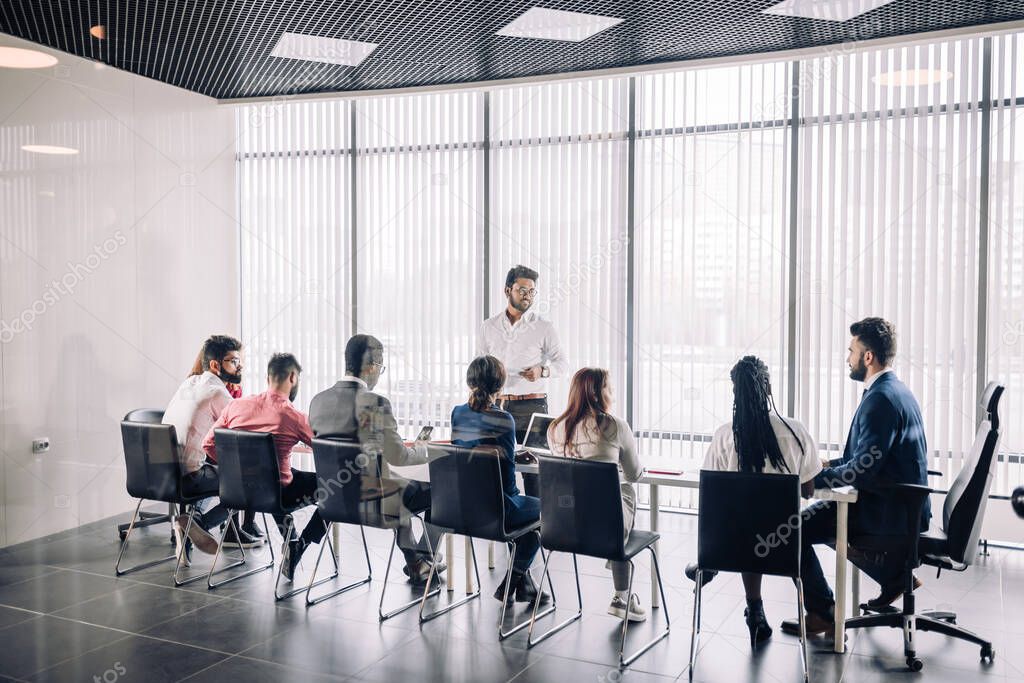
[545,371]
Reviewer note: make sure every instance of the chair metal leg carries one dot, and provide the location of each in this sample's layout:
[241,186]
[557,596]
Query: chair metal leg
[930,623]
[502,634]
[803,628]
[124,544]
[339,591]
[942,616]
[213,568]
[626,661]
[530,642]
[382,616]
[295,591]
[695,634]
[178,581]
[448,608]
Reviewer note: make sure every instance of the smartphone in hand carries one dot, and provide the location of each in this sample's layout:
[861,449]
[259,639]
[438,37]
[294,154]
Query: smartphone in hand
[425,433]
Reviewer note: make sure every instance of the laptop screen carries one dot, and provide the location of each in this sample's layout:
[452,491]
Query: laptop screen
[537,433]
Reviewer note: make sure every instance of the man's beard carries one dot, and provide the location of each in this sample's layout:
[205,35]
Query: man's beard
[859,372]
[523,306]
[293,393]
[228,378]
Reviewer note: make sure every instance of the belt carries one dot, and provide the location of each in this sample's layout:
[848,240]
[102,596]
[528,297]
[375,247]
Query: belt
[521,397]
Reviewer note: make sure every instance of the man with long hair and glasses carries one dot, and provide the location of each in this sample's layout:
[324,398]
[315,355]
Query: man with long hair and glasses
[194,408]
[886,445]
[759,439]
[587,430]
[528,348]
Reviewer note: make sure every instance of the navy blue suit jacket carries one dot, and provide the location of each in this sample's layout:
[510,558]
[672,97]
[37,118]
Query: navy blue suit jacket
[886,445]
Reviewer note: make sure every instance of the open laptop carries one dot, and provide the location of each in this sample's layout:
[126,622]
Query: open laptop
[536,440]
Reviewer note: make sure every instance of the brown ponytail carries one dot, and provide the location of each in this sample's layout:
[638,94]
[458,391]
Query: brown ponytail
[485,377]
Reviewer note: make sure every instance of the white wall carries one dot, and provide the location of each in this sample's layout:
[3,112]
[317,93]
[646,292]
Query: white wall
[138,230]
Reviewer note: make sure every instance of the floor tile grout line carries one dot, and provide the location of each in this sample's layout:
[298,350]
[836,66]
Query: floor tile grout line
[206,668]
[82,654]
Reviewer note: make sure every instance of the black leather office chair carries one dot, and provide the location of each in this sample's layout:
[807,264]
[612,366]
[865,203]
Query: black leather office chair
[749,522]
[153,469]
[351,491]
[954,546]
[467,499]
[581,514]
[144,518]
[250,480]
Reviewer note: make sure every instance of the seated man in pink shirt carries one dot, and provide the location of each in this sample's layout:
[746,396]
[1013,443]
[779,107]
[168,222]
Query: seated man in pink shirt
[272,411]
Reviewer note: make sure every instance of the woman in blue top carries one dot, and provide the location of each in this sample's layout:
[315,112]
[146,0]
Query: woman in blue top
[480,422]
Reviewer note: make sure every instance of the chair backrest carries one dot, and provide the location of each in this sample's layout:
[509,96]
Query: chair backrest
[151,461]
[466,494]
[580,507]
[749,522]
[149,415]
[964,509]
[343,471]
[249,475]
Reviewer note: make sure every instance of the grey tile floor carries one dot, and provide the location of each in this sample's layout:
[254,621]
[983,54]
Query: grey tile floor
[65,617]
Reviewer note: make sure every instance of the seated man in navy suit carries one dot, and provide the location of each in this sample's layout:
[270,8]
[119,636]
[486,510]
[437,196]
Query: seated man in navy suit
[886,445]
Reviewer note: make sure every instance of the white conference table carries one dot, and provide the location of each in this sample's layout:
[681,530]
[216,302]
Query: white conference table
[842,496]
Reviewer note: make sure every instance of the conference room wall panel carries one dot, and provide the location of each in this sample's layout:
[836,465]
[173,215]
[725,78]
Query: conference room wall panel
[115,263]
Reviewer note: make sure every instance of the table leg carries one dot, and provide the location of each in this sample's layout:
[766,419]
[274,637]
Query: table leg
[855,589]
[450,553]
[842,516]
[655,593]
[490,554]
[469,565]
[336,539]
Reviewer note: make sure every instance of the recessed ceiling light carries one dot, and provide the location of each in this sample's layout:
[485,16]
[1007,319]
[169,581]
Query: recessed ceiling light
[17,58]
[827,10]
[555,24]
[49,149]
[912,77]
[99,32]
[319,49]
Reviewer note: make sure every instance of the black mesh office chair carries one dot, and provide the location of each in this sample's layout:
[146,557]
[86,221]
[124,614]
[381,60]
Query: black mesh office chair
[251,480]
[954,546]
[581,514]
[153,470]
[467,499]
[143,517]
[749,522]
[351,491]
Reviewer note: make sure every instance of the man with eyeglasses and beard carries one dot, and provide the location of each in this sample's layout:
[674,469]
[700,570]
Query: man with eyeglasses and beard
[528,347]
[194,408]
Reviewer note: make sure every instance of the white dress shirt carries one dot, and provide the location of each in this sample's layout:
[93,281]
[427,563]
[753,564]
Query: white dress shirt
[193,410]
[531,341]
[871,380]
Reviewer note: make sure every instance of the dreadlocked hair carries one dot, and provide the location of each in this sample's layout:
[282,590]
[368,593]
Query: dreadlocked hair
[751,423]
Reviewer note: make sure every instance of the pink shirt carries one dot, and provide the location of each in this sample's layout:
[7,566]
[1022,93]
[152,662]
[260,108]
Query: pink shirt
[266,412]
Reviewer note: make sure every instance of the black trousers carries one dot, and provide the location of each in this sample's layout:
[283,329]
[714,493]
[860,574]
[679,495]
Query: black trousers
[299,494]
[819,526]
[521,412]
[205,482]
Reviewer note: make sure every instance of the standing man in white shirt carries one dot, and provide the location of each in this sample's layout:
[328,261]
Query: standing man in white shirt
[528,347]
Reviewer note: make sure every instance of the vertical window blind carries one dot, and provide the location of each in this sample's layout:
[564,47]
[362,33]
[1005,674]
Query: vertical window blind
[765,207]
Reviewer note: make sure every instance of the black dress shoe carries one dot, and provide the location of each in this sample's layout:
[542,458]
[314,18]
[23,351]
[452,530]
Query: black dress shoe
[527,591]
[499,592]
[291,554]
[757,623]
[252,530]
[815,623]
[888,596]
[705,577]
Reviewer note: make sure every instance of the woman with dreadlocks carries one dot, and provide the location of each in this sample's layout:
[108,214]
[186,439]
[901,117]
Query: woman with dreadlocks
[759,440]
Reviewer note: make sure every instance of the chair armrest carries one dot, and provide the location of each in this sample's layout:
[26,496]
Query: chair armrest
[913,497]
[835,462]
[934,473]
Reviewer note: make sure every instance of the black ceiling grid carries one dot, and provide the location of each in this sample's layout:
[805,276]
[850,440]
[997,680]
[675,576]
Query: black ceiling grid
[221,48]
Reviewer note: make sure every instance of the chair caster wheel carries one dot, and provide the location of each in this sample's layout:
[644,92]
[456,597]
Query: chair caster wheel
[914,664]
[988,652]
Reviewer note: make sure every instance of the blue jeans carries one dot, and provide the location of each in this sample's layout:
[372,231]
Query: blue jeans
[519,511]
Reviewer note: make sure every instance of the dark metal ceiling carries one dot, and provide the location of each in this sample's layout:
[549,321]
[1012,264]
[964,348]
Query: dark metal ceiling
[222,48]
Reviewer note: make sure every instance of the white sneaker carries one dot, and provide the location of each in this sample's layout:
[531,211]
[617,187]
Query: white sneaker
[618,609]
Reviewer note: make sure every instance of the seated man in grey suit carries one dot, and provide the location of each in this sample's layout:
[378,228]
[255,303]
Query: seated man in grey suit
[351,410]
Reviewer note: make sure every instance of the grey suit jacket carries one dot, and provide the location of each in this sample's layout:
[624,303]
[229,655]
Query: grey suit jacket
[348,410]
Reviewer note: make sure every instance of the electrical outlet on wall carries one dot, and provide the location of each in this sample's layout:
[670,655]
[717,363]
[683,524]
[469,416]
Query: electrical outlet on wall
[41,445]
